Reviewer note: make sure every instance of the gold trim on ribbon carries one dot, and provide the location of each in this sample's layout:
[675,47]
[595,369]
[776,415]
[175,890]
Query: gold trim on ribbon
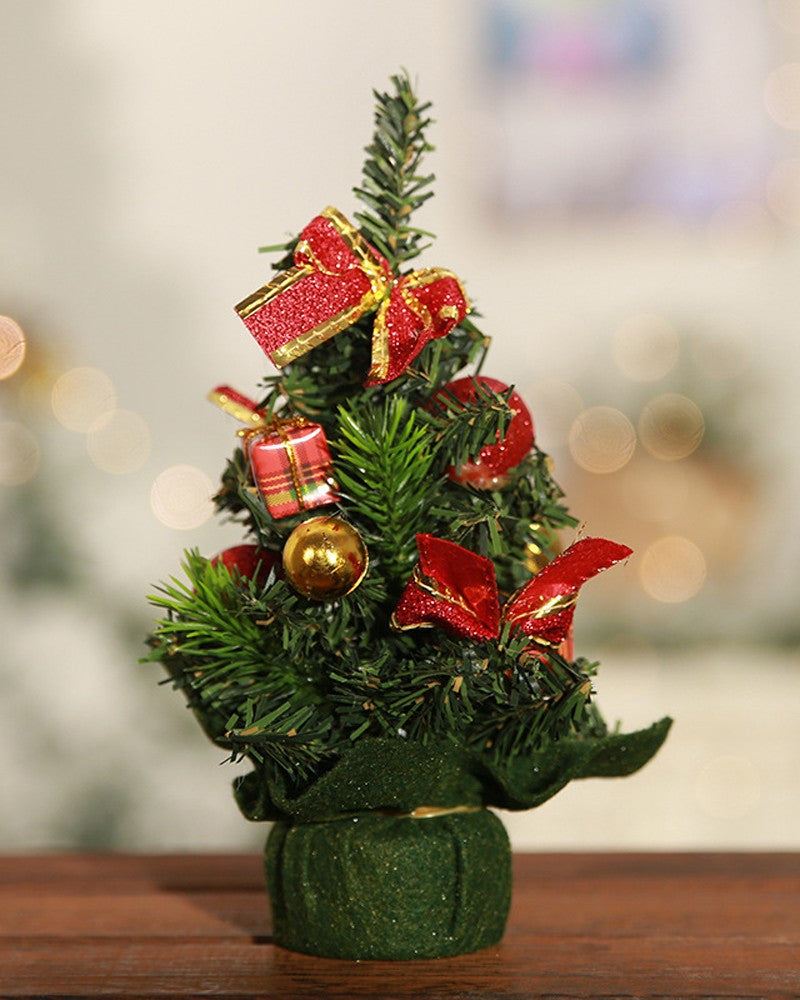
[379,368]
[440,590]
[430,812]
[261,296]
[437,590]
[561,602]
[234,408]
[280,428]
[395,624]
[372,267]
[420,812]
[375,269]
[296,348]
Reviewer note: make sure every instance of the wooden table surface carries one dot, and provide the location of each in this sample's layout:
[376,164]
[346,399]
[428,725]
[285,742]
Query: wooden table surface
[611,925]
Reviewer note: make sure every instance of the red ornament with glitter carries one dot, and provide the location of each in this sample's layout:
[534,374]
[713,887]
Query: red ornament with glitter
[489,469]
[450,587]
[337,277]
[249,561]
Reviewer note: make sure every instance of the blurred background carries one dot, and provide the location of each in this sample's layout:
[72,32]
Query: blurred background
[619,188]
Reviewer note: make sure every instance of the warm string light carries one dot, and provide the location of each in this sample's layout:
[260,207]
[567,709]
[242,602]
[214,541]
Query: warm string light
[655,482]
[181,497]
[81,396]
[672,569]
[12,347]
[19,449]
[671,426]
[602,440]
[84,400]
[118,441]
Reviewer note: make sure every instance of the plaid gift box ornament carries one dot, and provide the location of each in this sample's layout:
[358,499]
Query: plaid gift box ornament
[289,458]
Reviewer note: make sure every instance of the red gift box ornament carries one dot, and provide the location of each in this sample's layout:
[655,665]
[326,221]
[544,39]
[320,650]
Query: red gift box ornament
[457,590]
[336,278]
[289,458]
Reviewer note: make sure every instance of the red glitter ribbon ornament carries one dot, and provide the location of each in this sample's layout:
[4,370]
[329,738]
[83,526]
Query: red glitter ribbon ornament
[336,278]
[457,590]
[544,607]
[451,587]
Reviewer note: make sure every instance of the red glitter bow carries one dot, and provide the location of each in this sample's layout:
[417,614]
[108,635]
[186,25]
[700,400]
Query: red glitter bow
[337,277]
[451,587]
[456,589]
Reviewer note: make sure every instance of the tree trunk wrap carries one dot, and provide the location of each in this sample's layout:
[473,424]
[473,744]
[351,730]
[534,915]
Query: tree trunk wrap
[374,886]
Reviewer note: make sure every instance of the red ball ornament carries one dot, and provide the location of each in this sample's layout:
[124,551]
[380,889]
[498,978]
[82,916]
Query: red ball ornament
[249,561]
[489,469]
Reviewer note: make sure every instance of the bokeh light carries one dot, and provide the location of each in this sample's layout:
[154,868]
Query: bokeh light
[181,497]
[119,442]
[81,397]
[728,787]
[671,426]
[12,347]
[672,569]
[645,347]
[555,405]
[602,439]
[782,95]
[19,454]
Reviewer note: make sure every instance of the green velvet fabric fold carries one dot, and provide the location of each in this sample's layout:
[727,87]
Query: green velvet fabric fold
[395,774]
[384,887]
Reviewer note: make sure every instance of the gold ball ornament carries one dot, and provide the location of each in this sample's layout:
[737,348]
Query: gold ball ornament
[325,558]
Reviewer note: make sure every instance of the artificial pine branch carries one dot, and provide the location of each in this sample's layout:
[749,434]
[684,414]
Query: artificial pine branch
[463,429]
[393,186]
[384,461]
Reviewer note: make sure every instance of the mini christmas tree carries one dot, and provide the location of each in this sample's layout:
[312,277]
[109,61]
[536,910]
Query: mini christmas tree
[391,645]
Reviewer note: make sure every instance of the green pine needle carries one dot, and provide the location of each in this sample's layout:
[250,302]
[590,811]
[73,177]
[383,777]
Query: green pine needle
[384,457]
[393,186]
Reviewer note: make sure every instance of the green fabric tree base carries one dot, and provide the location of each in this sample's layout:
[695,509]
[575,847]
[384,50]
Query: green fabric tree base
[374,886]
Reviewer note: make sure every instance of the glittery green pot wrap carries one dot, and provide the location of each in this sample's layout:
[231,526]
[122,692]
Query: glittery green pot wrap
[390,887]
